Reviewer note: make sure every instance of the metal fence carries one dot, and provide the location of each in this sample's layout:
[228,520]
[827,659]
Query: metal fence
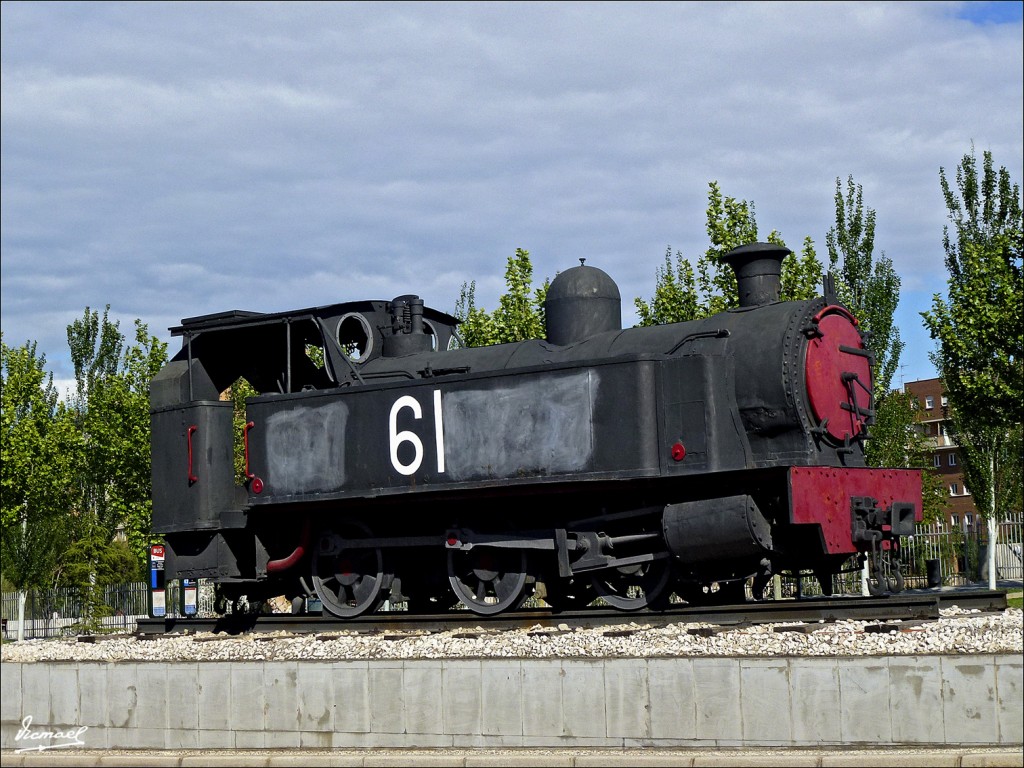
[951,556]
[59,612]
[937,555]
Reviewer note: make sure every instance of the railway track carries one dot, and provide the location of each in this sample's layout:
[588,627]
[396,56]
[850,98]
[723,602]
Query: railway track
[902,607]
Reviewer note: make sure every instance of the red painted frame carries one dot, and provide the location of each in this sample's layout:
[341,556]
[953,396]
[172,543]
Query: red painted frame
[821,496]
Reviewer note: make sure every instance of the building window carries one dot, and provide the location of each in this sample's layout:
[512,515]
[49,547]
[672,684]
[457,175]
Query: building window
[969,520]
[954,520]
[945,401]
[937,460]
[929,402]
[954,489]
[952,459]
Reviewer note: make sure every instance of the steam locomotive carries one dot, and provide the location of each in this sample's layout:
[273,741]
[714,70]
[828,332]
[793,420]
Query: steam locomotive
[384,461]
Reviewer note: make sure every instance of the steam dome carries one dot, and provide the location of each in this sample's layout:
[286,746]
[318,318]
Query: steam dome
[582,302]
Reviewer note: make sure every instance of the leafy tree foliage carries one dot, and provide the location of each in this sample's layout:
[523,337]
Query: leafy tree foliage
[76,473]
[683,293]
[39,446]
[991,461]
[675,297]
[980,325]
[980,332]
[869,287]
[801,274]
[239,392]
[898,441]
[730,224]
[112,409]
[520,312]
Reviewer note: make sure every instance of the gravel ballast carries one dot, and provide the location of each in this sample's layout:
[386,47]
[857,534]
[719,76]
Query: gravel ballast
[956,632]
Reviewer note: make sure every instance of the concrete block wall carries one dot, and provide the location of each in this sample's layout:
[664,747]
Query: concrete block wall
[668,702]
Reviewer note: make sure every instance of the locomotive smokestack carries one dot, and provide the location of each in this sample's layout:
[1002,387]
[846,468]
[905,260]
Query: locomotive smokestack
[758,269]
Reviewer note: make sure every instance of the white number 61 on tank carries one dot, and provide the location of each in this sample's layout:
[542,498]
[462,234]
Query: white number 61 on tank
[396,438]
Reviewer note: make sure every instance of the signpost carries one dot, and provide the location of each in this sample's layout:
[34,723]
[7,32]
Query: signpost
[157,587]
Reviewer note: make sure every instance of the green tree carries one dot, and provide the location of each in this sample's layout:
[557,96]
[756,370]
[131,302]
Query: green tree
[683,293]
[239,392]
[991,462]
[30,414]
[897,440]
[111,407]
[675,297]
[869,287]
[119,421]
[520,312]
[801,274]
[730,224]
[979,326]
[38,450]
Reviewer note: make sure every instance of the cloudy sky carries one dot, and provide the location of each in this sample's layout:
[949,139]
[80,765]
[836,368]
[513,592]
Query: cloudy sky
[177,159]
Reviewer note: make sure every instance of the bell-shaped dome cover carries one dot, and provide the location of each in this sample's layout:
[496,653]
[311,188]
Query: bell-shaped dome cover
[581,302]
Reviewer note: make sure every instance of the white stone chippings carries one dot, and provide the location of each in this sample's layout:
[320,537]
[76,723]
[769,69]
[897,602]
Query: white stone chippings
[957,631]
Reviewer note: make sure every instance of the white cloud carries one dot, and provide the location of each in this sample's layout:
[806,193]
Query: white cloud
[174,161]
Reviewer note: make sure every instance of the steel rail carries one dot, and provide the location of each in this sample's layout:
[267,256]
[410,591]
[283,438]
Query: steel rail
[906,606]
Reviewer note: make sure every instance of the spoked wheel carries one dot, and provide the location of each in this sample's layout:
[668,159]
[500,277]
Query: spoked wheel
[634,587]
[568,594]
[488,580]
[349,580]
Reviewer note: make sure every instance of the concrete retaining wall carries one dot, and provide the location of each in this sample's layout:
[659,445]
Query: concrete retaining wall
[678,702]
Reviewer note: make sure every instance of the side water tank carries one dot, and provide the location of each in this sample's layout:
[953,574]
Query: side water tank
[581,302]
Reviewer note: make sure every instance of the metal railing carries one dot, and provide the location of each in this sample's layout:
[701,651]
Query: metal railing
[952,556]
[58,612]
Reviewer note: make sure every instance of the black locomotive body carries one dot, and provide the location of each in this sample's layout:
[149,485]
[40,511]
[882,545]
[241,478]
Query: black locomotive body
[625,464]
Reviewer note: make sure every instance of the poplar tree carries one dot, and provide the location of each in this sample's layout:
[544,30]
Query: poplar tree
[111,410]
[39,448]
[870,287]
[979,330]
[520,312]
[683,293]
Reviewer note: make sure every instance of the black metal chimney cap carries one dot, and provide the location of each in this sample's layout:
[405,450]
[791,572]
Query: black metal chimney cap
[746,258]
[758,268]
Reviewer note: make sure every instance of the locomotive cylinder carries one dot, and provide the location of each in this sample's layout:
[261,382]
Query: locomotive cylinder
[716,530]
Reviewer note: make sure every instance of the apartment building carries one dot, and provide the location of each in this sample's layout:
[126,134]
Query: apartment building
[933,415]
